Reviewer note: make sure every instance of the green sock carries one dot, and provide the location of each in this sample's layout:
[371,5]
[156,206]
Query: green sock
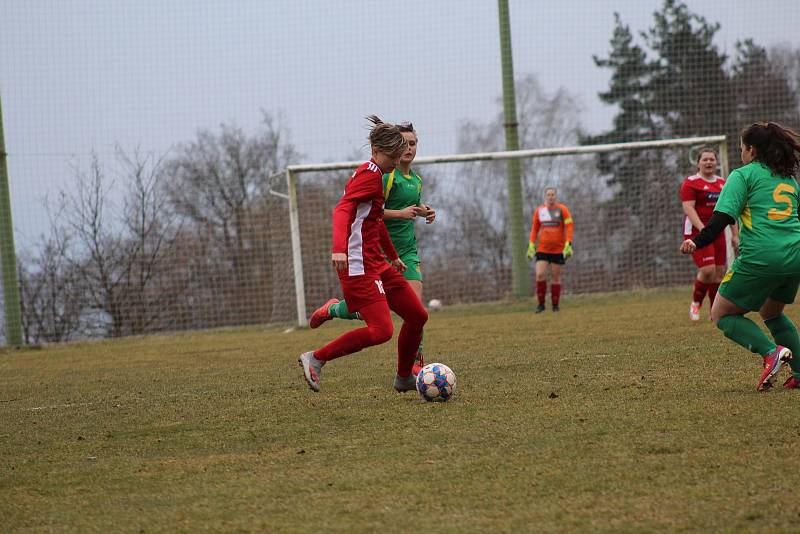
[746,333]
[422,339]
[784,333]
[340,310]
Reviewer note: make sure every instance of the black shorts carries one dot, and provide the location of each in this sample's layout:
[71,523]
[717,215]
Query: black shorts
[558,259]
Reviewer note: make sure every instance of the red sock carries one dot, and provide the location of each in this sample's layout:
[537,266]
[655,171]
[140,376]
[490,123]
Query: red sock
[555,293]
[541,290]
[378,330]
[700,290]
[712,292]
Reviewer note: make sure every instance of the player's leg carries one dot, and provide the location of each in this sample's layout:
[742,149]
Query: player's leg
[413,274]
[720,267]
[555,280]
[704,260]
[333,308]
[541,281]
[783,331]
[738,294]
[405,303]
[367,294]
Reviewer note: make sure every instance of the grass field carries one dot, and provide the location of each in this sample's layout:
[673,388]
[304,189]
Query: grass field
[616,414]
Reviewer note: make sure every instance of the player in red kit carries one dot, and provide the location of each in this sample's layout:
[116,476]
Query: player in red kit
[699,194]
[370,285]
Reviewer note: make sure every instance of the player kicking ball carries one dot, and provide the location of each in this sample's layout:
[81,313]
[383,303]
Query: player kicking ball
[371,285]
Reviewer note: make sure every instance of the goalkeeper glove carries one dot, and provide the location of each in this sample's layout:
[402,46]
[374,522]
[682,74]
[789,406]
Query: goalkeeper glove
[567,250]
[531,250]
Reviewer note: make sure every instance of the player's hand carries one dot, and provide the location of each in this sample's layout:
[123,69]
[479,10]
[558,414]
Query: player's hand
[430,214]
[410,212]
[531,250]
[567,252]
[339,261]
[399,265]
[688,247]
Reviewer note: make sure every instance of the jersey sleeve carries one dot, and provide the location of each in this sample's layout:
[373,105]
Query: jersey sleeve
[733,197]
[360,188]
[386,242]
[568,226]
[687,192]
[535,225]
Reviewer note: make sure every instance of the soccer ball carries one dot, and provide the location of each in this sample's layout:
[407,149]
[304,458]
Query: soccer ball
[435,304]
[436,382]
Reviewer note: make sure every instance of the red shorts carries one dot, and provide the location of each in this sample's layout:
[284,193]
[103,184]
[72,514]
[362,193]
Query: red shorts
[360,291]
[714,254]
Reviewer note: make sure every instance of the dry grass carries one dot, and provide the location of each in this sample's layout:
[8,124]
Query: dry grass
[615,415]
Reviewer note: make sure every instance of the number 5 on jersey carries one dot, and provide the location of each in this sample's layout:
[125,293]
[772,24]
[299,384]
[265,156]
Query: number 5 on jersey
[781,198]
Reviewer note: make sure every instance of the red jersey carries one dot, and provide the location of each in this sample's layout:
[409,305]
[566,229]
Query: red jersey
[358,228]
[704,194]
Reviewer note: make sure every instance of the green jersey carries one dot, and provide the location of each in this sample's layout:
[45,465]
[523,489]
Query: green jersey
[769,228]
[401,191]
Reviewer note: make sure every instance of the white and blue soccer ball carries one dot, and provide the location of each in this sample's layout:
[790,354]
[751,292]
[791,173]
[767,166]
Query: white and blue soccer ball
[436,382]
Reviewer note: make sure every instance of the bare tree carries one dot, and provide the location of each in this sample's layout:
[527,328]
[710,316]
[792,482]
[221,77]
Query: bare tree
[51,292]
[218,185]
[120,249]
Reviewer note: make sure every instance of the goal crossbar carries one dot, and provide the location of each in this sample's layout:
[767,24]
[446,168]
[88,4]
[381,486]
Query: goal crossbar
[527,153]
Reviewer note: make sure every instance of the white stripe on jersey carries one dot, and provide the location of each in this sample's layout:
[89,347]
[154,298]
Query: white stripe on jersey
[355,251]
[374,168]
[687,226]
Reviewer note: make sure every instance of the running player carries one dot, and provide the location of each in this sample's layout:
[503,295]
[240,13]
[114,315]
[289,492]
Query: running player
[553,248]
[699,194]
[402,189]
[763,195]
[371,285]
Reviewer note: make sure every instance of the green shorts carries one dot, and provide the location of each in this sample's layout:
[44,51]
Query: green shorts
[414,272]
[750,291]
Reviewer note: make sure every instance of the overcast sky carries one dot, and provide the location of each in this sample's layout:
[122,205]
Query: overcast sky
[82,75]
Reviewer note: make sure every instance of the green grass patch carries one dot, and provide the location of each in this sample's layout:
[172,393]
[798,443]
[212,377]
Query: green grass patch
[616,414]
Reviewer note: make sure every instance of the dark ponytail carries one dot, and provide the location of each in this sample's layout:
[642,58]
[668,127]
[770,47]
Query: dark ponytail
[776,146]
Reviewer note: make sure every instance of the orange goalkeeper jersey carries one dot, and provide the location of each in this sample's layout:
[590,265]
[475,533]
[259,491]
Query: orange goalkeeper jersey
[553,228]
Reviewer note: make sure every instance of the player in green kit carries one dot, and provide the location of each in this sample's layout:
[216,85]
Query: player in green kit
[764,196]
[402,191]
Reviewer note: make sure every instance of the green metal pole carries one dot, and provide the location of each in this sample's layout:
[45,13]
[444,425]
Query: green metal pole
[8,256]
[519,265]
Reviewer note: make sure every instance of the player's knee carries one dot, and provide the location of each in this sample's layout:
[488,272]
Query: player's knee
[381,333]
[422,316]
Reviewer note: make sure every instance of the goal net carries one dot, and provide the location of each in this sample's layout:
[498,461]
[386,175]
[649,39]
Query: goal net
[623,198]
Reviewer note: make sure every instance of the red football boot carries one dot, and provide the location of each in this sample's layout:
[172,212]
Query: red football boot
[321,314]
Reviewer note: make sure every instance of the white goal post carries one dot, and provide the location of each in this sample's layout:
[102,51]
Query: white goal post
[293,171]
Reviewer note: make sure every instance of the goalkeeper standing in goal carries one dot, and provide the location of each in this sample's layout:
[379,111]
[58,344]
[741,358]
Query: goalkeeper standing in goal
[371,285]
[764,277]
[699,194]
[402,189]
[551,244]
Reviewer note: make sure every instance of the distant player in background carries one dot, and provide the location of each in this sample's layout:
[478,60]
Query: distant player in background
[699,194]
[371,284]
[551,244]
[764,196]
[402,189]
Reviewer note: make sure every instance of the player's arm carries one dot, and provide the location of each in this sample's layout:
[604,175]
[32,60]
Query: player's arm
[691,213]
[716,225]
[408,213]
[358,189]
[569,229]
[388,248]
[534,232]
